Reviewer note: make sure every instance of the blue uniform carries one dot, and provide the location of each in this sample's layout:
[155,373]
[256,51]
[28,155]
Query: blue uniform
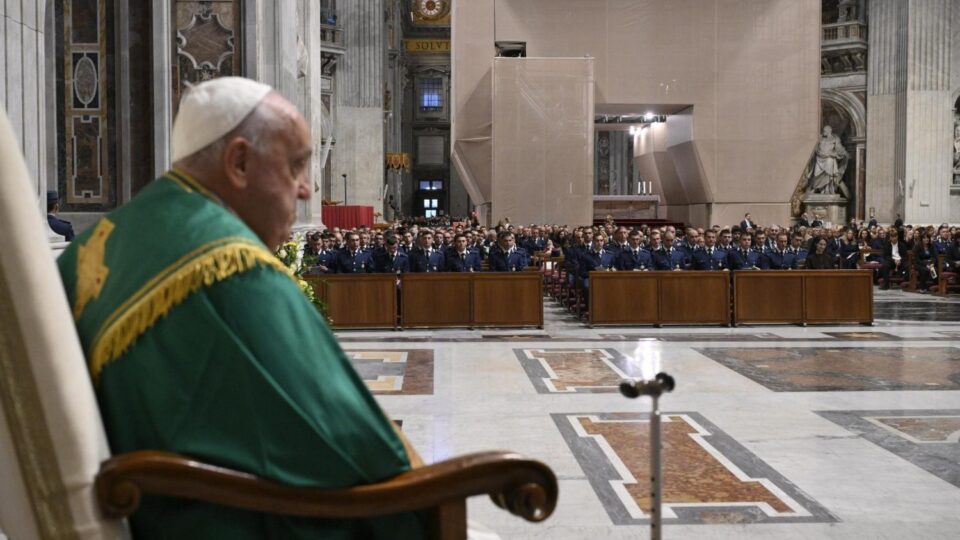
[61,227]
[799,256]
[669,259]
[710,259]
[778,260]
[327,259]
[628,259]
[591,260]
[469,262]
[422,261]
[385,263]
[741,260]
[359,262]
[514,261]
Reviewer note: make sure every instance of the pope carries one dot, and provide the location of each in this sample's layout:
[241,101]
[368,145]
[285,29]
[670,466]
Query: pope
[198,340]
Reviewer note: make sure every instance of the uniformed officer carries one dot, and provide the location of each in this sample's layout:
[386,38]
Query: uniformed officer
[596,258]
[62,227]
[710,257]
[760,243]
[744,258]
[797,250]
[780,257]
[618,243]
[390,259]
[668,257]
[424,258]
[352,259]
[458,258]
[506,256]
[634,257]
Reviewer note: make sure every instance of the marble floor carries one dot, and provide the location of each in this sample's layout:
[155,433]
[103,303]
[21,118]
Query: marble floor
[772,432]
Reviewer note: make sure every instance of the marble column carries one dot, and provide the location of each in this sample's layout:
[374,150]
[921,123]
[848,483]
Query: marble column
[162,84]
[23,84]
[360,125]
[909,110]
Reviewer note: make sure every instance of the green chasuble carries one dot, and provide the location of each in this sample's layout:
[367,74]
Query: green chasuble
[199,342]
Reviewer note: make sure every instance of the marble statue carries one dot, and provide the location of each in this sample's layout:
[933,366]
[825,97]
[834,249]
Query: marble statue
[830,163]
[956,153]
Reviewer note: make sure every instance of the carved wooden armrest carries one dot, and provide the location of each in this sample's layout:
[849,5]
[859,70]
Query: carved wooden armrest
[525,487]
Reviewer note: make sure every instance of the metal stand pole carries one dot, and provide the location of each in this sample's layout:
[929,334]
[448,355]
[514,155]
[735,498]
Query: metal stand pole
[344,189]
[653,388]
[656,469]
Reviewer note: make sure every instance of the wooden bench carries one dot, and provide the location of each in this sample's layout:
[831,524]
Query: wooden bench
[803,296]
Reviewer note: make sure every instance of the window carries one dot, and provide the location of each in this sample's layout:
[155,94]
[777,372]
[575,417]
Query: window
[431,185]
[430,207]
[431,95]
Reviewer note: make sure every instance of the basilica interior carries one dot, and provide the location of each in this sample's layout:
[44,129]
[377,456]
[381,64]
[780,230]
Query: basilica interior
[745,215]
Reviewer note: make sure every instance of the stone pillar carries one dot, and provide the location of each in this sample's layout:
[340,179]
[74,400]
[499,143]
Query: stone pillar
[162,85]
[23,84]
[909,120]
[929,119]
[360,83]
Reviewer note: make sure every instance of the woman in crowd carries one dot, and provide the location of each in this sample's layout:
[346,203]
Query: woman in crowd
[549,250]
[924,261]
[849,250]
[820,259]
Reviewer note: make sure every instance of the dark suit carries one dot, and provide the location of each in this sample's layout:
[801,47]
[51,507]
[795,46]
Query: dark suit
[358,262]
[849,254]
[421,261]
[889,266]
[744,225]
[384,263]
[470,261]
[61,227]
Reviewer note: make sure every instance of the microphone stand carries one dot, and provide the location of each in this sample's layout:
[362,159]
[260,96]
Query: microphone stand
[633,388]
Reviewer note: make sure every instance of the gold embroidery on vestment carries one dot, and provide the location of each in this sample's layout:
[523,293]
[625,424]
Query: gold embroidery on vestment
[91,271]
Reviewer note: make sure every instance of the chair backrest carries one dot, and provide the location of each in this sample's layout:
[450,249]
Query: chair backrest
[52,439]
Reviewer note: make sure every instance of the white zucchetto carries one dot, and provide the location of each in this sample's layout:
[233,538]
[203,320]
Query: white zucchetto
[212,109]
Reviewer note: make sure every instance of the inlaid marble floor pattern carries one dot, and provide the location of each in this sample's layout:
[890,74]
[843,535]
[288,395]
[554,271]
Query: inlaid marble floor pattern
[772,431]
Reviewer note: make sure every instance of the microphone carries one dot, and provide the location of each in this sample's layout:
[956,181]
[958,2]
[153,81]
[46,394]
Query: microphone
[634,388]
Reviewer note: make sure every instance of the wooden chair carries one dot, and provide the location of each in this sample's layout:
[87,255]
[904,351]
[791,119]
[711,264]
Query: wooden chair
[57,477]
[946,280]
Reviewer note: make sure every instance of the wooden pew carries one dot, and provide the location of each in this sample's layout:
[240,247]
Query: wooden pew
[358,300]
[639,298]
[471,299]
[944,278]
[803,296]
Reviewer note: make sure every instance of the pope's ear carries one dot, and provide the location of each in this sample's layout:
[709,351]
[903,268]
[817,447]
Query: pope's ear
[236,162]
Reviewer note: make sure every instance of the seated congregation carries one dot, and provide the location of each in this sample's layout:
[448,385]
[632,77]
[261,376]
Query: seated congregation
[921,258]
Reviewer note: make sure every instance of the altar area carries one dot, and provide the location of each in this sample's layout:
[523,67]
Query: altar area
[626,207]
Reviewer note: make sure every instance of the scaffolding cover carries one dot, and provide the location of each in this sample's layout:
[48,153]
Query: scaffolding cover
[543,140]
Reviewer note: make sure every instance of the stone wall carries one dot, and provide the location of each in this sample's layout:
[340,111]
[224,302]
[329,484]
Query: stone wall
[22,83]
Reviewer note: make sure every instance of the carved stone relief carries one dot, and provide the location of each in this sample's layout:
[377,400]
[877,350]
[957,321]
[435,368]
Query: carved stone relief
[208,43]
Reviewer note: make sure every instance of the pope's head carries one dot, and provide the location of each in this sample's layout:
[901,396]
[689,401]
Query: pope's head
[827,130]
[250,147]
